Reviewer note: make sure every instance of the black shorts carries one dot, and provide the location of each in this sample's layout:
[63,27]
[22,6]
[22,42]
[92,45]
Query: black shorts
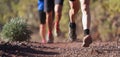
[60,2]
[49,4]
[42,17]
[72,0]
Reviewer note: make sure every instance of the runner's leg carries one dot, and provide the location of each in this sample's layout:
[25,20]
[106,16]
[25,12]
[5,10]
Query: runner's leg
[74,8]
[86,19]
[49,8]
[58,14]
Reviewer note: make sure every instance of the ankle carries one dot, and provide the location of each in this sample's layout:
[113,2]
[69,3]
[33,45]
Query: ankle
[86,32]
[72,25]
[57,25]
[49,32]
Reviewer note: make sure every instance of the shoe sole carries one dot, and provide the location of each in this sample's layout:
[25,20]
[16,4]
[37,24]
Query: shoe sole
[87,42]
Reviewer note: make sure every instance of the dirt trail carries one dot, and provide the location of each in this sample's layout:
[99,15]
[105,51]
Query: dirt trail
[74,49]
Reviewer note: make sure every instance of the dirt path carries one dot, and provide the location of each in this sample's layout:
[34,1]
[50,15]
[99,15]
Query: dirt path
[35,49]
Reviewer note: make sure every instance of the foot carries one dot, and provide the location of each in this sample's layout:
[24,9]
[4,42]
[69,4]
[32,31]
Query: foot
[43,41]
[50,38]
[72,34]
[57,32]
[87,40]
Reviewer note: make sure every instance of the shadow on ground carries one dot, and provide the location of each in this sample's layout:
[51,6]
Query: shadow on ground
[22,50]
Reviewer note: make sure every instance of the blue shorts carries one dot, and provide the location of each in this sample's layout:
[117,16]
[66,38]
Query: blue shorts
[41,5]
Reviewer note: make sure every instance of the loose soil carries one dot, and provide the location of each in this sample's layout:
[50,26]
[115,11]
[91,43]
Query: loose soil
[59,49]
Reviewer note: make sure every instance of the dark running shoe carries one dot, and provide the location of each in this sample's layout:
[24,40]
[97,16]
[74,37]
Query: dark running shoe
[72,34]
[87,40]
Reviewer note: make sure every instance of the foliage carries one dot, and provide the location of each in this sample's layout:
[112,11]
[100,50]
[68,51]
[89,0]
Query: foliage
[105,16]
[15,30]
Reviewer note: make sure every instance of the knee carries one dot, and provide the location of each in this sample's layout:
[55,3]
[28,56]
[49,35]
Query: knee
[73,11]
[84,5]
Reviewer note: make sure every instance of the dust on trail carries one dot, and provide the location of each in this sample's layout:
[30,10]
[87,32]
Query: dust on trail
[66,49]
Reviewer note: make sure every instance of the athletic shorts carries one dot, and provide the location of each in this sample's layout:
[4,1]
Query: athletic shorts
[72,0]
[49,4]
[42,17]
[60,2]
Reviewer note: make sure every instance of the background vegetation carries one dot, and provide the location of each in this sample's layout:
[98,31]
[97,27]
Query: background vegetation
[105,15]
[15,30]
